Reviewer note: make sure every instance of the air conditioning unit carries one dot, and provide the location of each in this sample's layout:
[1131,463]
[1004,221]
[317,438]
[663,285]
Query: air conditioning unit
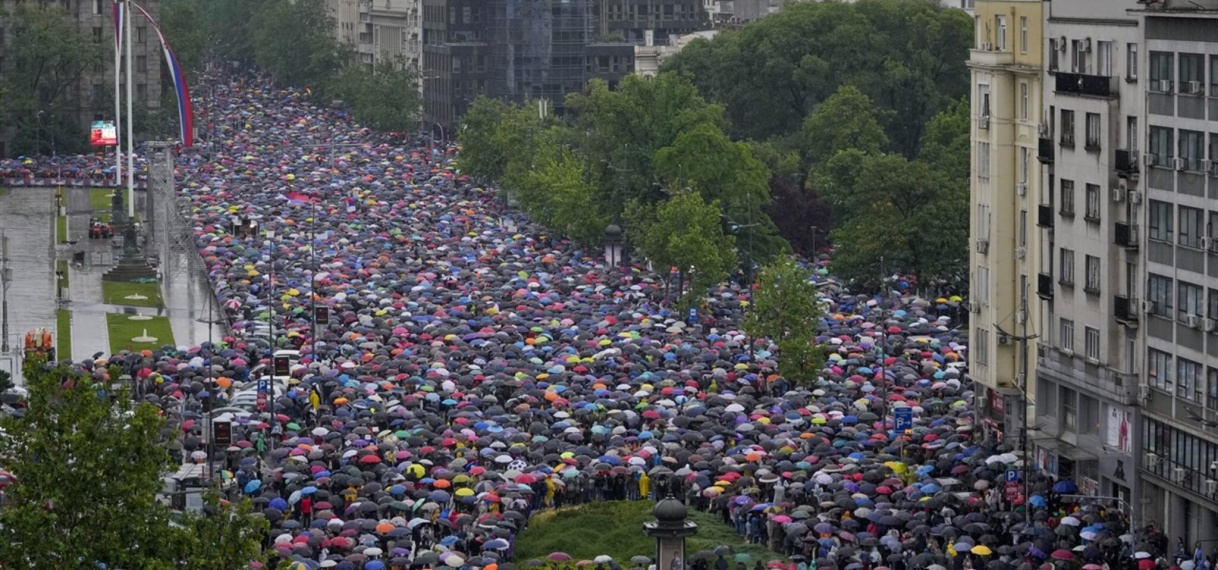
[1020,317]
[1177,475]
[1193,321]
[974,307]
[1061,43]
[1205,242]
[1211,325]
[1043,130]
[1148,306]
[1207,166]
[1021,252]
[1150,159]
[1214,245]
[983,122]
[1179,163]
[1021,188]
[1151,460]
[983,246]
[1164,86]
[987,47]
[1195,87]
[1135,197]
[1004,339]
[1211,486]
[1084,45]
[1053,44]
[1118,194]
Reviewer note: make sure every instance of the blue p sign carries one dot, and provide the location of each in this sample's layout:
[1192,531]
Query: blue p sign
[1012,475]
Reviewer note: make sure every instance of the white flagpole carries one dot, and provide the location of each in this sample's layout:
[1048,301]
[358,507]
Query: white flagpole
[118,101]
[127,17]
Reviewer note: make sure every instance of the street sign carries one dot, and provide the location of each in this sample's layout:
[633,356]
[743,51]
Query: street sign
[223,433]
[264,386]
[903,420]
[1012,475]
[323,315]
[693,315]
[261,402]
[282,366]
[1013,492]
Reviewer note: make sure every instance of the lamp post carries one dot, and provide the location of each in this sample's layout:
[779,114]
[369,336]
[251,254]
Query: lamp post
[613,246]
[270,333]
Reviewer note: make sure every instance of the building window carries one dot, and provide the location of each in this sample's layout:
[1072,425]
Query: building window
[1131,134]
[1161,221]
[1002,32]
[1069,410]
[983,160]
[1053,57]
[980,349]
[1023,34]
[983,92]
[1025,158]
[1065,334]
[1158,292]
[1212,304]
[1067,126]
[1103,59]
[1078,57]
[1131,60]
[141,34]
[1066,262]
[1023,228]
[1214,76]
[1188,379]
[1191,300]
[1091,342]
[97,6]
[1023,100]
[1067,197]
[1158,369]
[1093,203]
[141,92]
[141,63]
[1192,72]
[1191,226]
[1161,145]
[1211,388]
[1093,131]
[1093,275]
[1192,149]
[983,285]
[1162,70]
[97,34]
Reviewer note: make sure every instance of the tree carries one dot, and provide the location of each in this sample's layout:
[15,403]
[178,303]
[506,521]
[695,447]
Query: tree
[384,97]
[801,216]
[685,232]
[291,41]
[482,155]
[87,465]
[179,20]
[562,198]
[845,120]
[784,309]
[6,381]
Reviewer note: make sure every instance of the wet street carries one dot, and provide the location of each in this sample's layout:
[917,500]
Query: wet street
[26,216]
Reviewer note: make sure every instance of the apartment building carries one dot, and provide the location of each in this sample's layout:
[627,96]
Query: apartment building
[1178,432]
[380,30]
[1005,254]
[1089,217]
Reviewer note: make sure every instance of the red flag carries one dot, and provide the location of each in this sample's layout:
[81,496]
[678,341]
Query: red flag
[298,197]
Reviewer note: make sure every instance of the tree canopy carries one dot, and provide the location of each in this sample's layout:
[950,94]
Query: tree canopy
[87,467]
[784,309]
[383,96]
[683,231]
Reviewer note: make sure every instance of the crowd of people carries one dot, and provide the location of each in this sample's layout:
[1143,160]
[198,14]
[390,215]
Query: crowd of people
[475,369]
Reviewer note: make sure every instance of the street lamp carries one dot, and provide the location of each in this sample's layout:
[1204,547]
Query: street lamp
[613,245]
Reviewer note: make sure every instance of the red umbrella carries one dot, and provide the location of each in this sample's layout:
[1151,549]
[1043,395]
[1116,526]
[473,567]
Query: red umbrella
[558,557]
[370,459]
[1062,554]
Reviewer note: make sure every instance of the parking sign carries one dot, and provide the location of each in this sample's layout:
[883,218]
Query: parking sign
[1012,475]
[903,420]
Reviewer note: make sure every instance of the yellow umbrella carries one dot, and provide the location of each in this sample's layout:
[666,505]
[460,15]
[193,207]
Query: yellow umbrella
[464,492]
[981,550]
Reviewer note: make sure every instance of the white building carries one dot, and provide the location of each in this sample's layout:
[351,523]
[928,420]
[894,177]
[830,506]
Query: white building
[380,30]
[1089,212]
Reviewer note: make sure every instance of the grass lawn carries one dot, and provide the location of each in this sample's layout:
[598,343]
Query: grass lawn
[115,293]
[63,334]
[3,191]
[62,266]
[101,202]
[122,329]
[61,229]
[616,528]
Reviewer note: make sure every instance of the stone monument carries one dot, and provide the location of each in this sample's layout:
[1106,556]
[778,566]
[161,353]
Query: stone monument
[670,529]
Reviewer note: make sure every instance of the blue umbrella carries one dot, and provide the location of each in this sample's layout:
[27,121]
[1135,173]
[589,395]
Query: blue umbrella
[308,490]
[253,486]
[1065,486]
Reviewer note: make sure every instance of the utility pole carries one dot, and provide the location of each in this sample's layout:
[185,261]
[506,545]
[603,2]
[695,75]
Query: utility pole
[6,277]
[1022,383]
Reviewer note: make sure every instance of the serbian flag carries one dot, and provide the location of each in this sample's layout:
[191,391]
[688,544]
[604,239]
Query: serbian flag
[120,12]
[298,197]
[186,122]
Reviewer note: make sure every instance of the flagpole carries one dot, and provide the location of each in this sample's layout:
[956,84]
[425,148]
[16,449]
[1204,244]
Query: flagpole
[130,127]
[119,16]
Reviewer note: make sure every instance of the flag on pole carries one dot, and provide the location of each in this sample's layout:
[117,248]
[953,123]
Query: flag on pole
[120,12]
[298,197]
[186,122]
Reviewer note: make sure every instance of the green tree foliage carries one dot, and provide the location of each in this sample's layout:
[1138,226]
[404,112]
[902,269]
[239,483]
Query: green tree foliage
[229,26]
[558,194]
[384,97]
[683,231]
[291,41]
[483,152]
[784,309]
[180,22]
[87,465]
[45,57]
[908,56]
[847,119]
[6,380]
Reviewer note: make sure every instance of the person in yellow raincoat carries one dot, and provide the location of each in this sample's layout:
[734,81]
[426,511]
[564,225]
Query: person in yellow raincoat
[644,486]
[550,491]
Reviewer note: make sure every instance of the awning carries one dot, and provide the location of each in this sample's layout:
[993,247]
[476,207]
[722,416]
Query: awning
[1064,449]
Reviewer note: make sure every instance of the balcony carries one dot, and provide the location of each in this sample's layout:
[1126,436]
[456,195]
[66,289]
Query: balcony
[1126,163]
[1044,216]
[1125,309]
[1089,85]
[1044,286]
[1044,149]
[1127,235]
[1094,377]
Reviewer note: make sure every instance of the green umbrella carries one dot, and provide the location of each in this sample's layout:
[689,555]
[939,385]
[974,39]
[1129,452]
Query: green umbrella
[744,558]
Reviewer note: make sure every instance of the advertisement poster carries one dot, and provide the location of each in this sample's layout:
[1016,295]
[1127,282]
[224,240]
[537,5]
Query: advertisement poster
[1117,433]
[103,133]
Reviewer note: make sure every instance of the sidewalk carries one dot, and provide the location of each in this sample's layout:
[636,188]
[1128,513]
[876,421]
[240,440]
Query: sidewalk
[27,218]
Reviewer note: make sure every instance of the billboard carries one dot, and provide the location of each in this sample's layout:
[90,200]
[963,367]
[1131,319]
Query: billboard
[103,133]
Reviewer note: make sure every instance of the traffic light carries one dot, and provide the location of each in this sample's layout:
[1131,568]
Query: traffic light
[282,366]
[222,433]
[323,315]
